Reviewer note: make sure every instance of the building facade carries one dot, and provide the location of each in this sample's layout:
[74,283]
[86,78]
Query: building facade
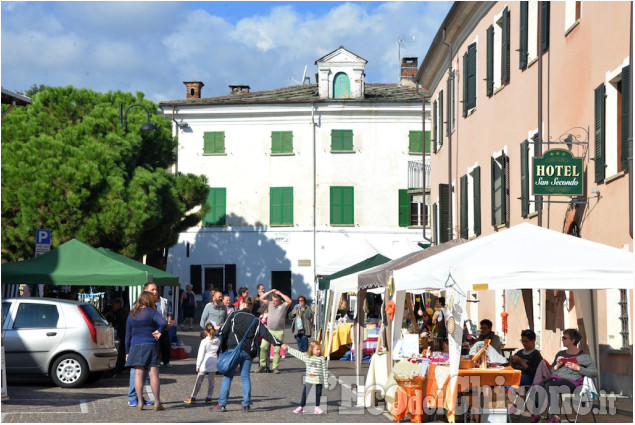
[300,176]
[509,82]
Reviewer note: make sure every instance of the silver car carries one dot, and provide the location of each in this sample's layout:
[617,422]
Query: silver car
[68,340]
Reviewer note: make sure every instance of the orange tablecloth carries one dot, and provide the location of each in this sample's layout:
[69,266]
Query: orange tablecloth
[341,336]
[466,379]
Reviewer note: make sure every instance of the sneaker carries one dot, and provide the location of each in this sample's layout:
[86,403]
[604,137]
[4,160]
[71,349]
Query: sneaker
[534,419]
[220,408]
[190,400]
[276,371]
[246,409]
[318,411]
[555,420]
[168,365]
[260,369]
[208,400]
[299,409]
[135,402]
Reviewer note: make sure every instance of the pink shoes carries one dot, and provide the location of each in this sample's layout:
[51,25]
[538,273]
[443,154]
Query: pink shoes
[318,411]
[299,409]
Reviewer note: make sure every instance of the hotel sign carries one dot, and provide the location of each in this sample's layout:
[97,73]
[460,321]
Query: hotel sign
[557,172]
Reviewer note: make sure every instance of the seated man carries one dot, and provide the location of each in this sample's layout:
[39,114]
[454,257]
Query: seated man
[528,359]
[487,333]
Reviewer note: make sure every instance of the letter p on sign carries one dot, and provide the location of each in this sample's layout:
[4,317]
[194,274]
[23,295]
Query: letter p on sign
[43,236]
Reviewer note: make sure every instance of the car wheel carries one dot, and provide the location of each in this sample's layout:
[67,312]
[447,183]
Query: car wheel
[69,371]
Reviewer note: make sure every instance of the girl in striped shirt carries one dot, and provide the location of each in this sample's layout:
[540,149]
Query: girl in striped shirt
[316,373]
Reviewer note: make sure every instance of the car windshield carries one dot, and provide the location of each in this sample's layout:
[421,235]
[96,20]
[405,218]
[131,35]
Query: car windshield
[94,314]
[5,310]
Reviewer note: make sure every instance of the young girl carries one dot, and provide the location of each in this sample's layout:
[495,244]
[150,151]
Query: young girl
[316,373]
[206,364]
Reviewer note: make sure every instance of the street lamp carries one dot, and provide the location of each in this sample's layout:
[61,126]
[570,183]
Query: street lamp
[123,118]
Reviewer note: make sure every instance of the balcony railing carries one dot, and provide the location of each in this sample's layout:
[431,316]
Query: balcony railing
[415,170]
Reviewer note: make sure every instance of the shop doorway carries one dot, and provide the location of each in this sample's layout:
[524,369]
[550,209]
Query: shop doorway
[282,282]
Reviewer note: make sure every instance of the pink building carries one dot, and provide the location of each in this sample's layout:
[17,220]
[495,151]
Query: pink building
[501,76]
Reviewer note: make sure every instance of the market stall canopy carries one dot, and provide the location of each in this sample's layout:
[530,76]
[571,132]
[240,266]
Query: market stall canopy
[73,263]
[523,256]
[377,277]
[160,277]
[373,261]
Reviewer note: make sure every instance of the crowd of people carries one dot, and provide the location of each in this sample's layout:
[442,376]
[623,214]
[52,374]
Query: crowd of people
[144,332]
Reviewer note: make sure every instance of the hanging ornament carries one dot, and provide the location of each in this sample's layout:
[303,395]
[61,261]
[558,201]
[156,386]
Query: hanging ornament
[390,309]
[504,315]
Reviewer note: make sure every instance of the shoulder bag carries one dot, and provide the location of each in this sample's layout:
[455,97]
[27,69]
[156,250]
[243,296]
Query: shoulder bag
[228,360]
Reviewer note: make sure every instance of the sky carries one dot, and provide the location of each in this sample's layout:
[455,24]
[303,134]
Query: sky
[153,46]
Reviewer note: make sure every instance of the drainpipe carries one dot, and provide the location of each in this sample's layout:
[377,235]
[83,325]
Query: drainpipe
[538,147]
[450,217]
[423,159]
[315,280]
[630,133]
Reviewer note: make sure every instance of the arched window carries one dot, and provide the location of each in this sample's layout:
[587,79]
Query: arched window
[341,86]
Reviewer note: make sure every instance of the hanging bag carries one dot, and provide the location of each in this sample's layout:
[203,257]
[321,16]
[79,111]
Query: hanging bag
[228,360]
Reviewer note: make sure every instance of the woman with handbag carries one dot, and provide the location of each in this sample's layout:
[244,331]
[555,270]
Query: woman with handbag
[240,344]
[302,323]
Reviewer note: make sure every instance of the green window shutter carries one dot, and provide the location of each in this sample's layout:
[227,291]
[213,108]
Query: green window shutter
[504,209]
[465,84]
[414,141]
[448,112]
[493,165]
[281,142]
[347,139]
[626,110]
[599,133]
[404,208]
[281,205]
[523,51]
[428,136]
[524,178]
[440,118]
[444,212]
[216,199]
[471,76]
[434,120]
[464,204]
[490,60]
[214,142]
[505,54]
[435,225]
[342,205]
[477,200]
[545,25]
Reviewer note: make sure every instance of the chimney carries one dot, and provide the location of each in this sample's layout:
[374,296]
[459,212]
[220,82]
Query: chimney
[193,89]
[238,89]
[409,68]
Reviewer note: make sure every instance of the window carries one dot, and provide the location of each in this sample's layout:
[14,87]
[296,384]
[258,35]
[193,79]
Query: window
[469,79]
[414,142]
[612,108]
[623,303]
[546,6]
[31,315]
[440,120]
[342,205]
[341,86]
[216,200]
[498,53]
[281,206]
[445,219]
[411,208]
[572,11]
[435,221]
[527,200]
[435,119]
[470,203]
[500,190]
[281,142]
[528,50]
[451,103]
[341,140]
[213,142]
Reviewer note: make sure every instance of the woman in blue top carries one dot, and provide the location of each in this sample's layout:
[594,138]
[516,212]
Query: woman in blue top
[143,330]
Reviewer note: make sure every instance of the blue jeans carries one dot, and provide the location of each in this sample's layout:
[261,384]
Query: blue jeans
[244,360]
[132,392]
[303,342]
[526,380]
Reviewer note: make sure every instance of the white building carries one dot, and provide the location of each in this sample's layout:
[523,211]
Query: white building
[300,176]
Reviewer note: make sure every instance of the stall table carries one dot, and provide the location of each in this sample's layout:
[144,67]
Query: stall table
[341,337]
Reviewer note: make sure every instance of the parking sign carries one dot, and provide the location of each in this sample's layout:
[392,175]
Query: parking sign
[42,241]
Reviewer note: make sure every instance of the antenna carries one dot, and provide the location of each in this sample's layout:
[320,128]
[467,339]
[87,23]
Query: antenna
[304,77]
[402,39]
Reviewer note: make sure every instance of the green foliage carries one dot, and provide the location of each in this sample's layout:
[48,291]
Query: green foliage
[68,166]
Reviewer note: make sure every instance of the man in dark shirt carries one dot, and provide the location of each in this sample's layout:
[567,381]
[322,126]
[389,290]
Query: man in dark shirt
[487,333]
[528,359]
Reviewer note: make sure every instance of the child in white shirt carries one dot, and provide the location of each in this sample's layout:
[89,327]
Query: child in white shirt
[206,364]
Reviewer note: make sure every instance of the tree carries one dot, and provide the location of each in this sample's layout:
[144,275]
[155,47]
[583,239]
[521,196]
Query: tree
[67,165]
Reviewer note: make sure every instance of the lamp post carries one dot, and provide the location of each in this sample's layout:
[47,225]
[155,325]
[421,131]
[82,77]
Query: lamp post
[123,118]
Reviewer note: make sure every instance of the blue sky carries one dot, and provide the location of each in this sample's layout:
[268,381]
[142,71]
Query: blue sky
[152,47]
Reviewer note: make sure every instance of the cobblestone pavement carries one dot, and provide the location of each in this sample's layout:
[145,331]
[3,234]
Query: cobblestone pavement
[38,400]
